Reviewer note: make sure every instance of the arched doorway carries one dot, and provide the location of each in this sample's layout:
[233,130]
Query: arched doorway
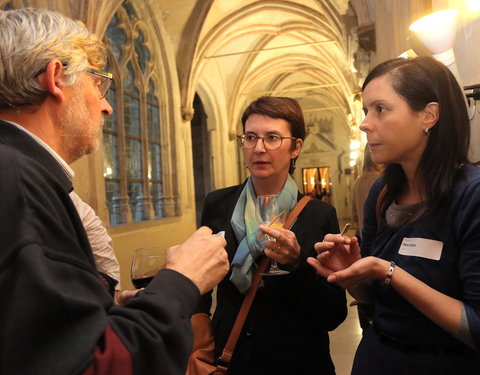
[317,183]
[202,166]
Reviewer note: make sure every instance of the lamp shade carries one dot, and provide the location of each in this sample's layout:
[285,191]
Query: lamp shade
[437,32]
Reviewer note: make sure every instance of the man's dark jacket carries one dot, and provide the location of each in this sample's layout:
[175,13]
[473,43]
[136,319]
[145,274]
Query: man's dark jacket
[56,315]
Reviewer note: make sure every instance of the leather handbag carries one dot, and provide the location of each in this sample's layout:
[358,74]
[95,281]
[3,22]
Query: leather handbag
[201,360]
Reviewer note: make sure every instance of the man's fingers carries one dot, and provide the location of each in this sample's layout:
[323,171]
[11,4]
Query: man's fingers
[126,295]
[204,230]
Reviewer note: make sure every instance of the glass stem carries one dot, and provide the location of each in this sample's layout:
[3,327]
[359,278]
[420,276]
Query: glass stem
[274,265]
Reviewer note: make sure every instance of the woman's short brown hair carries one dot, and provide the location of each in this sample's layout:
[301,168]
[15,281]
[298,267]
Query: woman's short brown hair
[284,108]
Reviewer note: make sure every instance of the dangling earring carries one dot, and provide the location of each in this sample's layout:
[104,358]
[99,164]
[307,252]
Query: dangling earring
[427,131]
[292,166]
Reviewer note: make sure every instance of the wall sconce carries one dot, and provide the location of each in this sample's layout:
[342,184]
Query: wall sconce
[354,145]
[437,33]
[473,5]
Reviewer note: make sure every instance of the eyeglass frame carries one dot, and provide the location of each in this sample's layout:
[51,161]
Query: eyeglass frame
[107,77]
[106,81]
[241,140]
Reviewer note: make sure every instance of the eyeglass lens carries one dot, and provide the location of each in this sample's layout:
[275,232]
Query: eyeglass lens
[104,87]
[269,142]
[105,81]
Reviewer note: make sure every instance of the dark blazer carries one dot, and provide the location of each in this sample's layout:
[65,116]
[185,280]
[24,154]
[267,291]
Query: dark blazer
[57,316]
[286,330]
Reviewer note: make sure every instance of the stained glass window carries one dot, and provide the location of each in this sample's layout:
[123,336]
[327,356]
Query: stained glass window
[132,136]
[154,151]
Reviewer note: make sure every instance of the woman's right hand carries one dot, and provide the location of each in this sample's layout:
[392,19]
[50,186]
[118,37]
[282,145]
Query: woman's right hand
[335,253]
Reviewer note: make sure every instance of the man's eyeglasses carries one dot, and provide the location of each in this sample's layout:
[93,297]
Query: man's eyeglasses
[270,142]
[104,78]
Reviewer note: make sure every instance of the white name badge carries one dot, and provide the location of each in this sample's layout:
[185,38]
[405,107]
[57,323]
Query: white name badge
[421,247]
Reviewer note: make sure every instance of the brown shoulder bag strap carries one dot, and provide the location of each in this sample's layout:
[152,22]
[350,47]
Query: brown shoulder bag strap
[226,357]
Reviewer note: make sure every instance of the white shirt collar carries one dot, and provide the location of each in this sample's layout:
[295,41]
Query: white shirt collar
[69,171]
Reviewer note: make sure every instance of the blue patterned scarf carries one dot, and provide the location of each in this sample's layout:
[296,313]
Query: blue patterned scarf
[245,223]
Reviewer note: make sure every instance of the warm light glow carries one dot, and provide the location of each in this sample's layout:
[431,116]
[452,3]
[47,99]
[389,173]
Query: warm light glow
[108,172]
[317,180]
[437,32]
[353,163]
[408,54]
[354,155]
[473,5]
[354,145]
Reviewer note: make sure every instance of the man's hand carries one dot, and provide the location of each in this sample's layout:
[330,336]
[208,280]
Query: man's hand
[122,298]
[202,258]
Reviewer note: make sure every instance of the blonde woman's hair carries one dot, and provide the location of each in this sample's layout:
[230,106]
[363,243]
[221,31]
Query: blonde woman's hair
[368,163]
[29,39]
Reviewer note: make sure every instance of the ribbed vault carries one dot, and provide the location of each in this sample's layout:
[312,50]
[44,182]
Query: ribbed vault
[284,48]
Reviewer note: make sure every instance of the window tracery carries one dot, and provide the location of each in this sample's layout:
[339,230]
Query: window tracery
[132,135]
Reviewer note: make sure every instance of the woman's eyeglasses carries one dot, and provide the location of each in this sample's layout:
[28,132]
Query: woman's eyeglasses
[270,142]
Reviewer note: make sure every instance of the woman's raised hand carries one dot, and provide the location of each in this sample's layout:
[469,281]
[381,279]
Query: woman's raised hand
[335,253]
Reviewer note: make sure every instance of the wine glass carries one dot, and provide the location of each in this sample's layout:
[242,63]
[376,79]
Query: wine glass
[271,215]
[146,263]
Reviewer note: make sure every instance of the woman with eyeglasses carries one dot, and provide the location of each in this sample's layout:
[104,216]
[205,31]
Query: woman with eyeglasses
[286,331]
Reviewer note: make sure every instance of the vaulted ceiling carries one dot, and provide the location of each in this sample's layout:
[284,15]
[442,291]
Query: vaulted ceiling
[245,49]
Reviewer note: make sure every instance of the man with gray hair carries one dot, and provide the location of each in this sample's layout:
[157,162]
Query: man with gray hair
[56,316]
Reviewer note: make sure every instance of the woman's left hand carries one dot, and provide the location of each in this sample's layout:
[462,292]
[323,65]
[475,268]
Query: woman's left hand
[285,250]
[361,272]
